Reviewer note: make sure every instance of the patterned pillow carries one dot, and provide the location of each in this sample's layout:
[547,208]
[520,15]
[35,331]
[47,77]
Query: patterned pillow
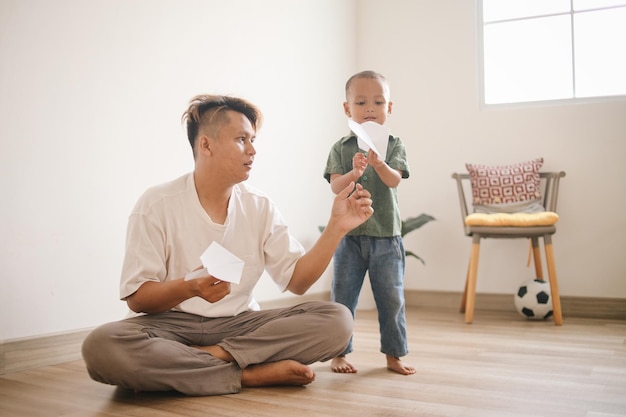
[506,188]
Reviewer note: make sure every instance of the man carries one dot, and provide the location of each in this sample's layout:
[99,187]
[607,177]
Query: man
[206,336]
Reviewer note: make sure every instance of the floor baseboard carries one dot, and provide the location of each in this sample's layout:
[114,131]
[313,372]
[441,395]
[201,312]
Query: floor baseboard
[34,352]
[585,307]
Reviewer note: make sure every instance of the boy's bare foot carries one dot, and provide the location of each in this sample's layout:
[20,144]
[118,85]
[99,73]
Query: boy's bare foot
[396,365]
[341,365]
[286,372]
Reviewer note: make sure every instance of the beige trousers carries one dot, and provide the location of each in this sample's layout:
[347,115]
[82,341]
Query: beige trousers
[154,353]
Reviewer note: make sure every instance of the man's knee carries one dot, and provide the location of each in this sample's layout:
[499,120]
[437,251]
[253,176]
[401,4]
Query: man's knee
[340,320]
[99,347]
[344,318]
[97,338]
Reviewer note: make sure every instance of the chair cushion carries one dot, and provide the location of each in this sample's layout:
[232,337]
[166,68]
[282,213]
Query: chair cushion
[544,218]
[506,188]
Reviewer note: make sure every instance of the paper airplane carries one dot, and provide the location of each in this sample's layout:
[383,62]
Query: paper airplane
[220,263]
[371,135]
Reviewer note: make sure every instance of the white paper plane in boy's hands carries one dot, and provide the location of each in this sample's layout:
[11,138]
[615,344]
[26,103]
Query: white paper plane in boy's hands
[220,263]
[371,135]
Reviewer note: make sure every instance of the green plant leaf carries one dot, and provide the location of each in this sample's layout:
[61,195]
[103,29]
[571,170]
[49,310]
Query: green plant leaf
[409,253]
[412,223]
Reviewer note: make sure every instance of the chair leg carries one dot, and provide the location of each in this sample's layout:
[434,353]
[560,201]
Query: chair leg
[470,298]
[554,286]
[464,298]
[537,257]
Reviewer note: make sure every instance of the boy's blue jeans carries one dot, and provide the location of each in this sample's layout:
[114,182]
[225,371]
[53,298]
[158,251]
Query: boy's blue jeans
[384,258]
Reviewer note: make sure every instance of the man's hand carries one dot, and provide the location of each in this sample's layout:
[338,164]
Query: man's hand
[351,207]
[212,289]
[156,297]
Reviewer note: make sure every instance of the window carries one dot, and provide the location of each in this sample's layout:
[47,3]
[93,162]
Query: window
[535,50]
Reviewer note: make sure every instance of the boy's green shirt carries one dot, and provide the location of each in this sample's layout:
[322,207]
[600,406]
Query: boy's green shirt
[385,222]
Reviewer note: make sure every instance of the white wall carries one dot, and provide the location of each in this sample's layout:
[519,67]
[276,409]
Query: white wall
[92,95]
[90,105]
[430,58]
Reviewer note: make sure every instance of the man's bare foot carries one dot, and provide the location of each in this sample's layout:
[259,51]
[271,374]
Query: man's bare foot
[286,372]
[396,365]
[341,365]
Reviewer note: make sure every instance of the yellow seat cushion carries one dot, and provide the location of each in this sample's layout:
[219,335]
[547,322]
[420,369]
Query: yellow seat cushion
[543,218]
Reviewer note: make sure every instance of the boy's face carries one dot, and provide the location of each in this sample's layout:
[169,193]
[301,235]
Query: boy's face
[368,100]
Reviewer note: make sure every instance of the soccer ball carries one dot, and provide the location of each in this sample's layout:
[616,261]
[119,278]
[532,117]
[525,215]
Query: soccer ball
[533,300]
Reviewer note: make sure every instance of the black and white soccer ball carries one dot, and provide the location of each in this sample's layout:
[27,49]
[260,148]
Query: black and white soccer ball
[533,300]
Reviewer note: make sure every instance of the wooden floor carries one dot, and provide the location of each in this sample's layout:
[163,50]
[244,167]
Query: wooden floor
[501,365]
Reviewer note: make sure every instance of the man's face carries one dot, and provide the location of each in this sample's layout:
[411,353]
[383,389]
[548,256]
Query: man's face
[234,150]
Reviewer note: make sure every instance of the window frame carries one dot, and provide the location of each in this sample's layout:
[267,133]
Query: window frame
[544,102]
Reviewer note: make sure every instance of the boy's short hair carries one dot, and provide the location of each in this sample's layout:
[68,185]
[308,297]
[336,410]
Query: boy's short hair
[371,75]
[209,112]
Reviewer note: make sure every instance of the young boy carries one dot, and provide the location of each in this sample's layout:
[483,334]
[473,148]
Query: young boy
[375,246]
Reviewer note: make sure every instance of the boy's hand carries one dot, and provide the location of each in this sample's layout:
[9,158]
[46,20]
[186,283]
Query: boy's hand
[359,163]
[374,160]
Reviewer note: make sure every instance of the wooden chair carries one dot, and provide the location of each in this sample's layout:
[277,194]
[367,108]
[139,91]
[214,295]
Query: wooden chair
[534,231]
